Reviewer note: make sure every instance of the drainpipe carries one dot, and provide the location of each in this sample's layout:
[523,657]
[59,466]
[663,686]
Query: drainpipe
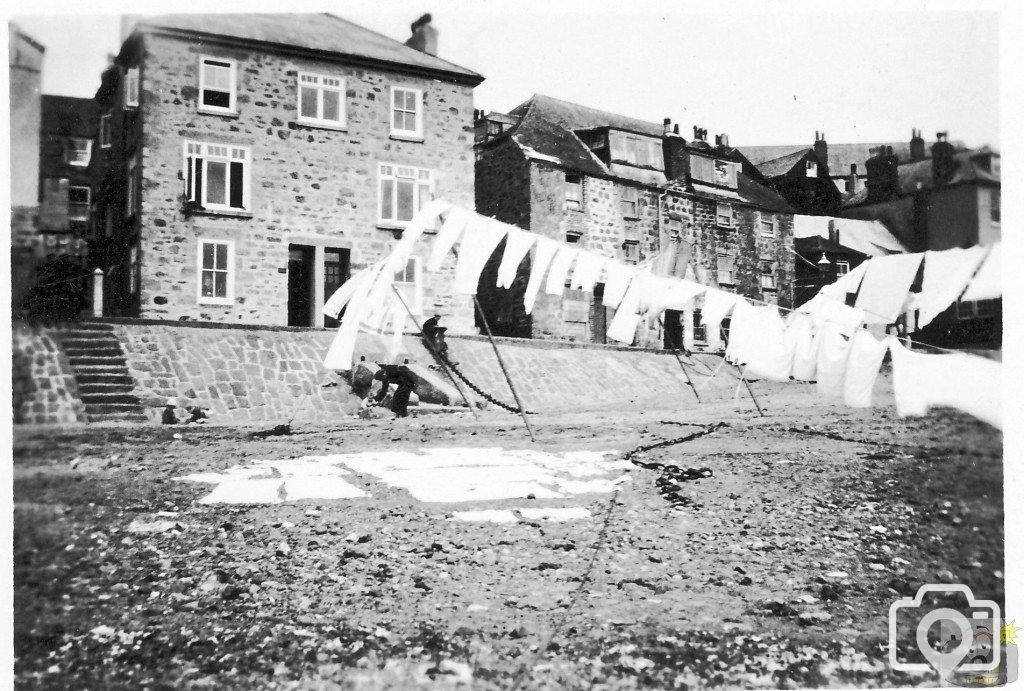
[661,199]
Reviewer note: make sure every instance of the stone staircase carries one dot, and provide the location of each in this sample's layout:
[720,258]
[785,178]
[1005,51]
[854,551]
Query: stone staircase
[99,365]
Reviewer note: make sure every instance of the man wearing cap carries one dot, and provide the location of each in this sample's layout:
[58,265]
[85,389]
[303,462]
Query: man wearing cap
[401,376]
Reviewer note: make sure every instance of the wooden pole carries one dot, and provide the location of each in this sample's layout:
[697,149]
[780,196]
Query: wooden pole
[675,351]
[437,355]
[501,363]
[750,391]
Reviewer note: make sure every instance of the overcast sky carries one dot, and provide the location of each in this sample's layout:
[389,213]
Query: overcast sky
[765,73]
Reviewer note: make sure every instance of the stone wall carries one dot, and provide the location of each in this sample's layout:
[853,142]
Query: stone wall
[309,185]
[43,388]
[235,375]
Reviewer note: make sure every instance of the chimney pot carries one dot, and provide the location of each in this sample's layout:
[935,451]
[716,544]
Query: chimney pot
[668,125]
[424,36]
[675,129]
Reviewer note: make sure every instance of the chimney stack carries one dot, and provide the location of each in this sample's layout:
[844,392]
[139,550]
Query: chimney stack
[851,184]
[668,126]
[916,145]
[675,129]
[883,175]
[677,156]
[424,36]
[943,165]
[821,150]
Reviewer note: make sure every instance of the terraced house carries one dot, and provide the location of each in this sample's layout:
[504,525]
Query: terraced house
[637,192]
[249,163]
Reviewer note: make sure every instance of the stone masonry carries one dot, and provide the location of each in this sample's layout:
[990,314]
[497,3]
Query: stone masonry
[309,185]
[43,387]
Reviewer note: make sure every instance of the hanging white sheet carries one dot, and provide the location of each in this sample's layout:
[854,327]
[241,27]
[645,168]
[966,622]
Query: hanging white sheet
[866,355]
[823,309]
[341,297]
[847,285]
[560,269]
[833,351]
[757,342]
[541,260]
[886,286]
[454,224]
[588,270]
[946,274]
[423,219]
[800,340]
[479,240]
[619,276]
[517,244]
[623,325]
[339,355]
[956,380]
[717,306]
[987,284]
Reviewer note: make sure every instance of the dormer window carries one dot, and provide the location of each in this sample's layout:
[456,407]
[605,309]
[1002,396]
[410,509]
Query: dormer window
[714,171]
[636,150]
[812,169]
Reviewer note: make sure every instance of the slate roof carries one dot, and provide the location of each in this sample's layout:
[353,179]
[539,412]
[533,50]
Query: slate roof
[576,117]
[69,116]
[782,165]
[840,156]
[815,244]
[918,175]
[536,134]
[317,32]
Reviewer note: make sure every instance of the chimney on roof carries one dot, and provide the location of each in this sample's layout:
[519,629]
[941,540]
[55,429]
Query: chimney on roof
[943,165]
[677,156]
[675,129]
[424,36]
[722,139]
[699,134]
[916,145]
[851,183]
[668,126]
[821,150]
[883,175]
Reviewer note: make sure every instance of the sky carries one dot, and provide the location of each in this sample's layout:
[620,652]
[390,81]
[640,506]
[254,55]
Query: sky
[764,73]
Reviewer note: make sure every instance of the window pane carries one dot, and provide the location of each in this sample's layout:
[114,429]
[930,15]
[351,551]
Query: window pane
[217,99]
[216,182]
[424,191]
[207,289]
[406,190]
[398,120]
[222,257]
[208,252]
[237,184]
[307,103]
[387,199]
[221,284]
[332,106]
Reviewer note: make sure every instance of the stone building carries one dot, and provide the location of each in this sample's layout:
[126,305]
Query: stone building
[67,142]
[255,161]
[633,191]
[802,178]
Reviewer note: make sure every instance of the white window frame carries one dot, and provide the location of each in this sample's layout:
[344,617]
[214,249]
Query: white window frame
[812,169]
[995,206]
[131,193]
[842,268]
[131,87]
[87,203]
[573,202]
[105,130]
[769,233]
[423,181]
[630,195]
[78,152]
[719,214]
[416,285]
[727,277]
[229,298]
[219,153]
[768,277]
[232,67]
[321,83]
[417,132]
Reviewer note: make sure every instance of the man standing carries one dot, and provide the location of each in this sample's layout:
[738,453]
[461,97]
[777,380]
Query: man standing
[401,376]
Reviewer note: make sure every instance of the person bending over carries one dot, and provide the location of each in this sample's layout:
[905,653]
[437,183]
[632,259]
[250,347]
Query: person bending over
[402,377]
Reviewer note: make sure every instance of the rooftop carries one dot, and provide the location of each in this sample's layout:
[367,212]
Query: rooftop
[918,175]
[69,116]
[840,156]
[325,33]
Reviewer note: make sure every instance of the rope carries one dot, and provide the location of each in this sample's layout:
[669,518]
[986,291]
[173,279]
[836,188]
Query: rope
[454,368]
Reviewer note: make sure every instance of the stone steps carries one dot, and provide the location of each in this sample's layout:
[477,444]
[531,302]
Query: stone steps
[105,385]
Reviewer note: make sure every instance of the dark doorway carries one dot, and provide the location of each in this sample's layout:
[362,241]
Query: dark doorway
[300,285]
[598,316]
[336,268]
[673,330]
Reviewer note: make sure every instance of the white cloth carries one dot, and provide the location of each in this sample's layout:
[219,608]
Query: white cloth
[800,340]
[756,341]
[866,355]
[849,283]
[623,325]
[479,240]
[833,352]
[827,310]
[886,286]
[517,244]
[341,297]
[987,284]
[560,269]
[717,306]
[541,259]
[619,276]
[946,274]
[419,223]
[454,224]
[678,295]
[588,270]
[339,355]
[956,380]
